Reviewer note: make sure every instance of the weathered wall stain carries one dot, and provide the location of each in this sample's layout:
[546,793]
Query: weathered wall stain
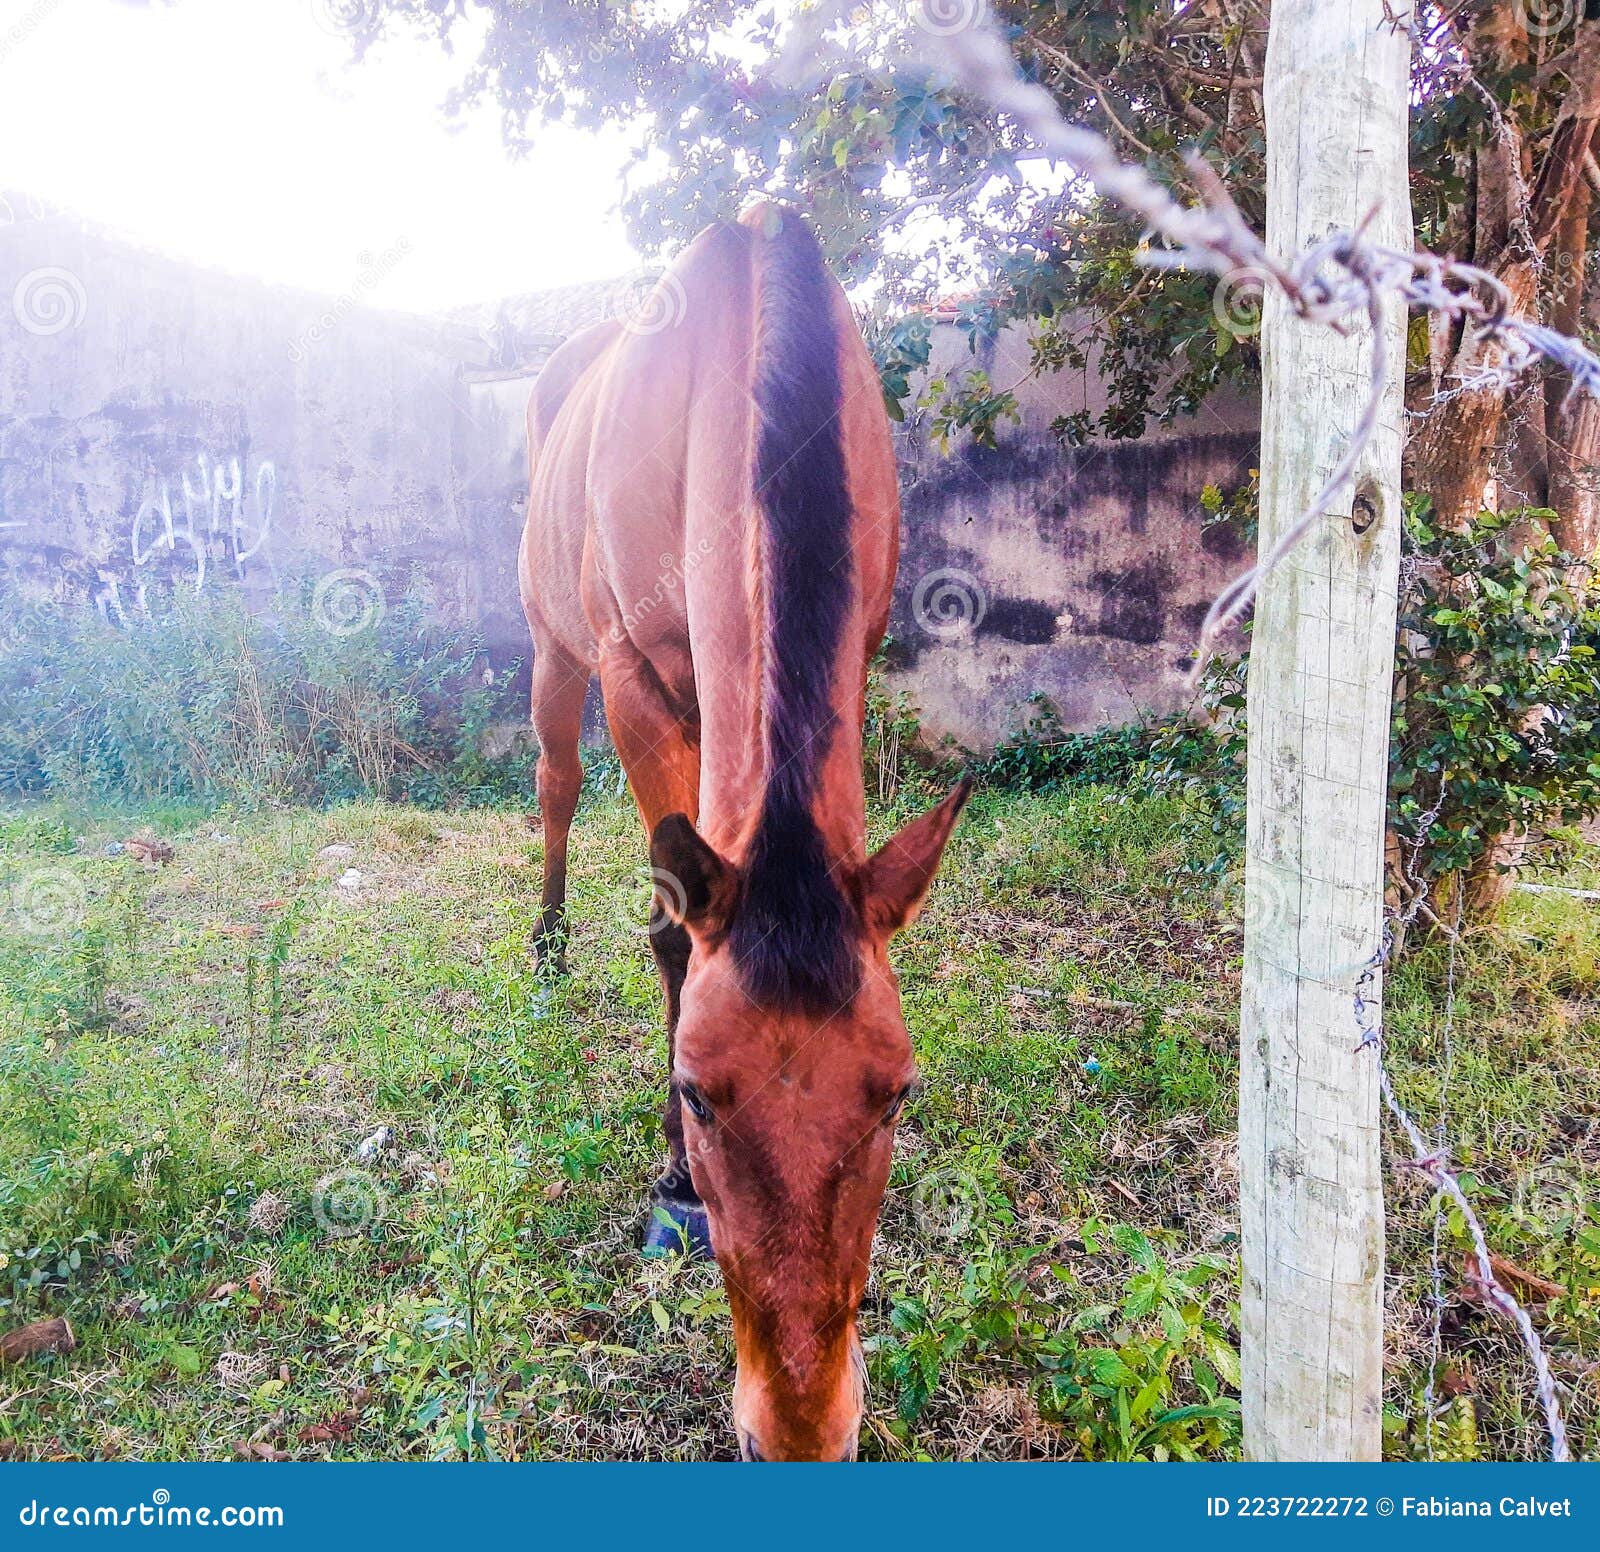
[1031,621]
[1088,568]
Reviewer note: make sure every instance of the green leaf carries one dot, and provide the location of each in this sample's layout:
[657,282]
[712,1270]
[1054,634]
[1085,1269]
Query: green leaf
[1222,1354]
[1108,1368]
[1131,1242]
[1226,1407]
[1173,1325]
[185,1360]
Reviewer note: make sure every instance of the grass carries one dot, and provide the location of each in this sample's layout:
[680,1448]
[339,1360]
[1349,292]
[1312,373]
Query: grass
[321,1169]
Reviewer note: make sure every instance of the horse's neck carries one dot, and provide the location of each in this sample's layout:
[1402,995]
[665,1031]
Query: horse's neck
[736,766]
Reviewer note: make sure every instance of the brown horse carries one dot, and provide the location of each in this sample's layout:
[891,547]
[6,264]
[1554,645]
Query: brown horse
[713,524]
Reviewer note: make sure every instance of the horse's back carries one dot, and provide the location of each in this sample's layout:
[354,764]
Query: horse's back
[669,470]
[642,501]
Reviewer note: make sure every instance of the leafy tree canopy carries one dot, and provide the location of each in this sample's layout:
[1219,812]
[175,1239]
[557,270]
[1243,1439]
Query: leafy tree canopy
[920,192]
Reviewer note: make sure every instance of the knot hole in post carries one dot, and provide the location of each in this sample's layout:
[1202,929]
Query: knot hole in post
[1364,510]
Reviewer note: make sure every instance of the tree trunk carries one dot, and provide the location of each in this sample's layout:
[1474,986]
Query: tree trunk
[1572,421]
[1321,672]
[1529,229]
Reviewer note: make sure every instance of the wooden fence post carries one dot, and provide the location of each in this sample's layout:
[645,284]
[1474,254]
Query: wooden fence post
[1321,671]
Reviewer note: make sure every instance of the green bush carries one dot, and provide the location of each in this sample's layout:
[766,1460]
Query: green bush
[1151,1376]
[202,699]
[1497,703]
[1200,761]
[1044,755]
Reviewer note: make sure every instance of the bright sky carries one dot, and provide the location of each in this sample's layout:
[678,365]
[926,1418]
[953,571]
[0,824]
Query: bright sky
[237,133]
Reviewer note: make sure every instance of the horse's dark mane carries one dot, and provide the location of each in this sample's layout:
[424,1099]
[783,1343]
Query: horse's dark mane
[791,934]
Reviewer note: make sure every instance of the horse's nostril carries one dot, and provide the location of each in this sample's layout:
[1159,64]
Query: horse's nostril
[748,1448]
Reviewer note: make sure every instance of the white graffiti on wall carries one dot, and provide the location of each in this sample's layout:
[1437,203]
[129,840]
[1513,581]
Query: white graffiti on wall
[215,514]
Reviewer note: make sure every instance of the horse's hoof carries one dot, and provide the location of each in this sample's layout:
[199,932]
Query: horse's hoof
[678,1229]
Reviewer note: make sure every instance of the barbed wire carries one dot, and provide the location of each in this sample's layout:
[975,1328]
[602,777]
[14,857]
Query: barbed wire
[1441,1134]
[1433,1163]
[1344,279]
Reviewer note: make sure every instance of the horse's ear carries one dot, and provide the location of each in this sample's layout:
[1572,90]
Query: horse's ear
[897,876]
[694,884]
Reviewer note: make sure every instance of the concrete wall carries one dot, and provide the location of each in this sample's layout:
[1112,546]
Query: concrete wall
[160,424]
[1079,574]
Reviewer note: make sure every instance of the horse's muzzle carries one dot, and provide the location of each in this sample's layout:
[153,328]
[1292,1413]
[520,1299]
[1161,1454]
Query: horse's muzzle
[749,1450]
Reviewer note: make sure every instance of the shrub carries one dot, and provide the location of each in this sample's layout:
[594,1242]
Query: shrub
[1497,705]
[1151,1376]
[203,699]
[1496,722]
[893,758]
[1044,754]
[1202,760]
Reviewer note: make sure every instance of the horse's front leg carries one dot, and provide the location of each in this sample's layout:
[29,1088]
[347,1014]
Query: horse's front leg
[677,1215]
[560,682]
[659,750]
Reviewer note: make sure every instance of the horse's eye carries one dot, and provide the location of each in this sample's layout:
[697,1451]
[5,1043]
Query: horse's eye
[897,1104]
[695,1100]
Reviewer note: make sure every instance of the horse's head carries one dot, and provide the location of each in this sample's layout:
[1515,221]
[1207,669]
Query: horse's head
[789,1119]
